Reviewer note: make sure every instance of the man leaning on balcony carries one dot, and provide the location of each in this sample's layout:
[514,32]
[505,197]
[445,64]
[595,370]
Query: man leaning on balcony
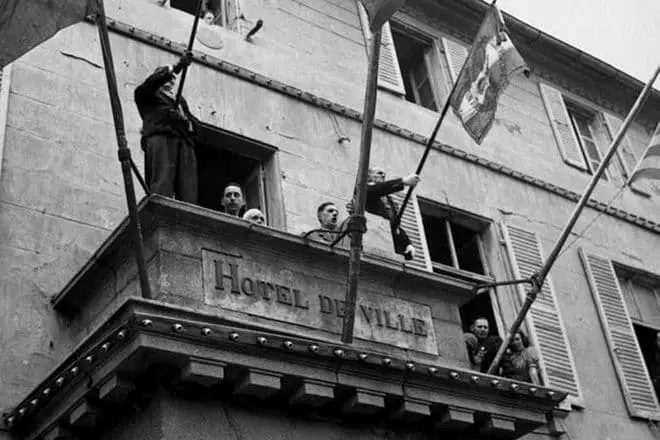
[168,131]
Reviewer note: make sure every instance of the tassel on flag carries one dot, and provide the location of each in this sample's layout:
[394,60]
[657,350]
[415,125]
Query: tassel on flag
[492,61]
[379,11]
[649,166]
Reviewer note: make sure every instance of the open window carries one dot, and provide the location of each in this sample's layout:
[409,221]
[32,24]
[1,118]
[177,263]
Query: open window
[583,123]
[224,157]
[454,241]
[224,12]
[414,56]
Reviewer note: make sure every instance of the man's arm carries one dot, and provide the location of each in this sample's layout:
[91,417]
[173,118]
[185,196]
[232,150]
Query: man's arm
[148,88]
[384,188]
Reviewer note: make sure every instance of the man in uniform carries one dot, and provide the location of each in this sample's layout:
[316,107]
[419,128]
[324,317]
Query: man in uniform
[379,202]
[167,135]
[328,217]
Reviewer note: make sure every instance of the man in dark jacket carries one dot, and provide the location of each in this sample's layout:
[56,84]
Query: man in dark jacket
[167,135]
[380,203]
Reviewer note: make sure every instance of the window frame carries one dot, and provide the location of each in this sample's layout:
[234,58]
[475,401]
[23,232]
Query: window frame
[268,174]
[576,111]
[478,224]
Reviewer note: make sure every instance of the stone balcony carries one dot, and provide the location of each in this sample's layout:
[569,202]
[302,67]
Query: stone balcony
[242,312]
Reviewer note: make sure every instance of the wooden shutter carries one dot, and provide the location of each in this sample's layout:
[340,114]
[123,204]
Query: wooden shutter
[544,318]
[389,73]
[255,194]
[234,15]
[625,152]
[411,222]
[456,55]
[567,142]
[624,348]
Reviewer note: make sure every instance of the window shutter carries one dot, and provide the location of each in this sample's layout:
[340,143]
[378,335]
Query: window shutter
[411,222]
[456,55]
[624,348]
[544,318]
[389,73]
[234,16]
[626,152]
[561,126]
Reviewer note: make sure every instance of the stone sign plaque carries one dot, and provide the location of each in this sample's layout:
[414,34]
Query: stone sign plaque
[294,296]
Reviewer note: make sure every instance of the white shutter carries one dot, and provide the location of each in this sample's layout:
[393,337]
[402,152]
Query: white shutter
[544,318]
[567,142]
[456,55]
[624,348]
[389,73]
[626,152]
[411,222]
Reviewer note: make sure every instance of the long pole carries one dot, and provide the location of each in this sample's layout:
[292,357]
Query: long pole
[361,187]
[191,42]
[539,277]
[123,152]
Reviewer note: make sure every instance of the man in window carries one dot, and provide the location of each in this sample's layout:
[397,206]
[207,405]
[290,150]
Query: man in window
[380,203]
[481,346]
[232,200]
[328,217]
[167,135]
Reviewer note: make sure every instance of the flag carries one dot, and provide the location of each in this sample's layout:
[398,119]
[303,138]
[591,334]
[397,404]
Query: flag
[379,11]
[488,68]
[24,24]
[649,166]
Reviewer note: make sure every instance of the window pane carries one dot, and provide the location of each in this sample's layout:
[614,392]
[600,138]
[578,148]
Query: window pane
[467,248]
[436,239]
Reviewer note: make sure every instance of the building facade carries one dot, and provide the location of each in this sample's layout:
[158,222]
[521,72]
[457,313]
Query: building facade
[241,336]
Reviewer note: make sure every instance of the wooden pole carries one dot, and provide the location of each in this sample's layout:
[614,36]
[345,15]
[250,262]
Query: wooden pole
[539,278]
[191,42]
[361,187]
[123,152]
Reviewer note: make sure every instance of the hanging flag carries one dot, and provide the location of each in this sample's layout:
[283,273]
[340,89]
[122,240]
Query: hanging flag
[649,166]
[490,64]
[24,24]
[379,11]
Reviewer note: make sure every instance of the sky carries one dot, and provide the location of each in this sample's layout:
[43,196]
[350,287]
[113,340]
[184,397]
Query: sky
[625,34]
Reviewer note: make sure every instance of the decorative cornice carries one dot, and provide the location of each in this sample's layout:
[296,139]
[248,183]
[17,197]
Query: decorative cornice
[317,101]
[262,357]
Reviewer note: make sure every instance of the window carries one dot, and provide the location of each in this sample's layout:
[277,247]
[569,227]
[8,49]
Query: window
[583,122]
[412,55]
[622,296]
[580,132]
[453,239]
[224,157]
[225,12]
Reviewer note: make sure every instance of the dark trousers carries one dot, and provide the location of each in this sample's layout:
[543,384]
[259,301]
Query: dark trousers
[171,167]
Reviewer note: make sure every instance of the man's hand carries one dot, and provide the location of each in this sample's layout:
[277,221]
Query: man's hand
[350,207]
[411,180]
[184,61]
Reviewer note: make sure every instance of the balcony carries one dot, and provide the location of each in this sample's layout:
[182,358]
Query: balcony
[243,313]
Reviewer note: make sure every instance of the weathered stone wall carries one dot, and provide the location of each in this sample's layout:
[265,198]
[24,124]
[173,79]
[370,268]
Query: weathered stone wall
[61,191]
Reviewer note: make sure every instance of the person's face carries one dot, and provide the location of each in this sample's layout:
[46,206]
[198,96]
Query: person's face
[329,216]
[169,85]
[376,175]
[518,342]
[480,328]
[232,199]
[256,216]
[208,18]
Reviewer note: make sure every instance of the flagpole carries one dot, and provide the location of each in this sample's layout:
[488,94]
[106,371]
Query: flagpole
[123,151]
[427,150]
[539,277]
[357,218]
[191,41]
